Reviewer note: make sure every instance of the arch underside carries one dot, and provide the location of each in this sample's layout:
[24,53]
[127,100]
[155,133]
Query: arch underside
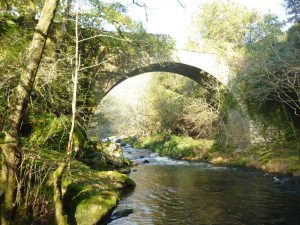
[194,73]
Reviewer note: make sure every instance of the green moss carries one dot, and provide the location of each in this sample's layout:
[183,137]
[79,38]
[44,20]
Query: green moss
[151,142]
[52,132]
[239,161]
[129,140]
[96,193]
[82,198]
[280,158]
[49,131]
[96,205]
[176,146]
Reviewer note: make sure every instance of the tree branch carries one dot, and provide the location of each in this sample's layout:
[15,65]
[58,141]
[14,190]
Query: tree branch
[143,6]
[181,4]
[104,35]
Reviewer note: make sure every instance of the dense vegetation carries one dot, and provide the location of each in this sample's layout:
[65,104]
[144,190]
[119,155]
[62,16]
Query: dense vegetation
[264,62]
[264,58]
[43,132]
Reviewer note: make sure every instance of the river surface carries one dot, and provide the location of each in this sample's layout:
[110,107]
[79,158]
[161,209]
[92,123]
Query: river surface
[179,192]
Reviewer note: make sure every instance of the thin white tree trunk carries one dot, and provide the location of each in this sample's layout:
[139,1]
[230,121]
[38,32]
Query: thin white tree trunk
[61,170]
[75,80]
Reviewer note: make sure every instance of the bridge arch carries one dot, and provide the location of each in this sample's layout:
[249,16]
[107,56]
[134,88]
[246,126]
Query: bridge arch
[198,75]
[200,67]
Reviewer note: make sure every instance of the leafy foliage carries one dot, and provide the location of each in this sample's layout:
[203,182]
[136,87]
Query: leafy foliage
[269,79]
[178,105]
[223,26]
[13,43]
[107,36]
[264,58]
[293,9]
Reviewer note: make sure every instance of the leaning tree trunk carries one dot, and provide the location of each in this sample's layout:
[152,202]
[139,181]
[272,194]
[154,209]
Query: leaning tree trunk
[11,150]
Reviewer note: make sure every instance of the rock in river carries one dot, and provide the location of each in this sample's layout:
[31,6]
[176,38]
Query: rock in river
[145,161]
[121,213]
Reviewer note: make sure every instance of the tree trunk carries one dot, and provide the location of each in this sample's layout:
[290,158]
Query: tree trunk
[63,30]
[11,149]
[57,189]
[60,171]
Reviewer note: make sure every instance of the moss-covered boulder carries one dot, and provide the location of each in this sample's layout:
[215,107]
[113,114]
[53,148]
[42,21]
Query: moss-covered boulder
[97,205]
[91,197]
[113,152]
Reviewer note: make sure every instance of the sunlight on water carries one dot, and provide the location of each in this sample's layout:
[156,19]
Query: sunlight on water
[179,192]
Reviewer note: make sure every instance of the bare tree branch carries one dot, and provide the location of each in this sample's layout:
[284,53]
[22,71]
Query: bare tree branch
[104,35]
[181,4]
[143,5]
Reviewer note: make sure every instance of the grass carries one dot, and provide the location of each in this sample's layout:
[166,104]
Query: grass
[177,147]
[276,158]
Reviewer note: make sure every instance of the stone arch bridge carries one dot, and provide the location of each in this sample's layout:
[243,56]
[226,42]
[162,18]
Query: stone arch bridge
[199,67]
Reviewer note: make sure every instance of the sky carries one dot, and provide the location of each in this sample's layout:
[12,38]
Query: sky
[169,17]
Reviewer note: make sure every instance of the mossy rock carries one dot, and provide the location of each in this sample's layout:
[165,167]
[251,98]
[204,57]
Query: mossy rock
[92,197]
[97,204]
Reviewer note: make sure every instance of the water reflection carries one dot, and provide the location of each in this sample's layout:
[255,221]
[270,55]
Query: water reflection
[195,194]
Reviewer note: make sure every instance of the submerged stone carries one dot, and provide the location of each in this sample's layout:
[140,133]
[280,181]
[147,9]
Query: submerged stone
[121,213]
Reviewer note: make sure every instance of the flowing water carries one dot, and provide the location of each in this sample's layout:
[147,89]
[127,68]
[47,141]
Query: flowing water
[179,192]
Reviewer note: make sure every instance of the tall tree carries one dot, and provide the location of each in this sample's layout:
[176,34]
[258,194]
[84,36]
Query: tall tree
[11,149]
[224,24]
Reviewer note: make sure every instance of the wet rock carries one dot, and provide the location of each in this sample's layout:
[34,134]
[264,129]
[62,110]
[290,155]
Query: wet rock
[115,154]
[134,170]
[134,163]
[121,213]
[104,140]
[125,170]
[141,156]
[98,162]
[145,161]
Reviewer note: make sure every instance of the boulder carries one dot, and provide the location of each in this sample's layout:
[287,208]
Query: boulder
[114,154]
[146,161]
[87,202]
[98,162]
[124,170]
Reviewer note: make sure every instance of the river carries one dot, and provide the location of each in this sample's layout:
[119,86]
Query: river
[180,192]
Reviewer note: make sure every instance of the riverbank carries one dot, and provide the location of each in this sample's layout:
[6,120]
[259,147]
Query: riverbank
[283,159]
[89,194]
